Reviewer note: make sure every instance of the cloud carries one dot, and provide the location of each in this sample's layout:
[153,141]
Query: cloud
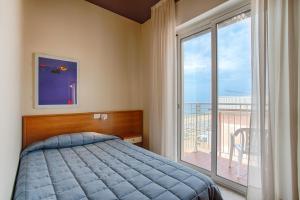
[233,49]
[234,46]
[197,62]
[234,62]
[197,53]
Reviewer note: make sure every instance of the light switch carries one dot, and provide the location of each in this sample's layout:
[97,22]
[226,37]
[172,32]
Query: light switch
[97,116]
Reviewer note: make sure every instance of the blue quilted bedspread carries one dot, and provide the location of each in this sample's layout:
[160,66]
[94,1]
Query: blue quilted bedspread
[95,166]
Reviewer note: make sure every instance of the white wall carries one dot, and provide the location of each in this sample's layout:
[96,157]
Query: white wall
[10,109]
[188,9]
[106,45]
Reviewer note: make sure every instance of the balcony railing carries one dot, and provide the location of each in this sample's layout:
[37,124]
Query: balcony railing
[197,126]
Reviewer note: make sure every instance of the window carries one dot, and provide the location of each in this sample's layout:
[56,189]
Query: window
[197,88]
[215,96]
[234,96]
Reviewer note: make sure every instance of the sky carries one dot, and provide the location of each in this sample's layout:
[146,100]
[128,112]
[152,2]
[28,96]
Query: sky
[233,58]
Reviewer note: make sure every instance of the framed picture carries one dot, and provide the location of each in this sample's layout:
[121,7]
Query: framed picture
[56,82]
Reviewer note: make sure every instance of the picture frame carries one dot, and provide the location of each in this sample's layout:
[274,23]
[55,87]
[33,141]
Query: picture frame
[56,81]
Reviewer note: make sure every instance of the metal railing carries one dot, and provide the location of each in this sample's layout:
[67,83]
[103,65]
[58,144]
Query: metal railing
[197,125]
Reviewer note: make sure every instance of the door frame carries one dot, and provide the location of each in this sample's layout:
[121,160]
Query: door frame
[193,30]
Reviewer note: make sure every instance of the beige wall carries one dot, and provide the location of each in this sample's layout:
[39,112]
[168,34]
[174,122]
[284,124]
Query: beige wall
[10,109]
[106,44]
[188,9]
[145,65]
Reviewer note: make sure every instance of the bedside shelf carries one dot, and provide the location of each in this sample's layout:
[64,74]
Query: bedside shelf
[134,140]
[137,140]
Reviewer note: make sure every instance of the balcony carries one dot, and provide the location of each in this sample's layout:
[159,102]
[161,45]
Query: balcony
[196,143]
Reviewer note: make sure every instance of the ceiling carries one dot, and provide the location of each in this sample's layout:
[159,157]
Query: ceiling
[137,10]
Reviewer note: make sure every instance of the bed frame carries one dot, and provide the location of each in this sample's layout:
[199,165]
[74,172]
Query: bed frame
[120,123]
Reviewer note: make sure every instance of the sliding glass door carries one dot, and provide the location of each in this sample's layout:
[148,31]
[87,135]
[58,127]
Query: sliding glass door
[215,98]
[234,97]
[196,140]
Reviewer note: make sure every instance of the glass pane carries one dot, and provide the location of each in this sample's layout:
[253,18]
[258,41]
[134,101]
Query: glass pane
[196,138]
[234,97]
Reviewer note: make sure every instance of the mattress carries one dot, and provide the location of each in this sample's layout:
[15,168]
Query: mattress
[96,166]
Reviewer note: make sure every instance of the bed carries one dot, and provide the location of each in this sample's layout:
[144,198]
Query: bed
[89,165]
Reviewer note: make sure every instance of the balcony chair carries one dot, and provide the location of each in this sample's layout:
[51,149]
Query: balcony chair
[242,148]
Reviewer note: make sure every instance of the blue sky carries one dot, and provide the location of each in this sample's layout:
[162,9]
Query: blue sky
[234,63]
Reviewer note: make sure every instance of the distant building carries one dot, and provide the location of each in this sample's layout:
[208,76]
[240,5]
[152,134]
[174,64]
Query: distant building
[235,99]
[234,103]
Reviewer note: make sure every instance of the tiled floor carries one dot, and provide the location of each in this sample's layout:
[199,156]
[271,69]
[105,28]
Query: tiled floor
[230,195]
[203,160]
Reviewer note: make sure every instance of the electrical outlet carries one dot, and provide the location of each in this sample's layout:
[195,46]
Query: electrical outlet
[97,116]
[104,117]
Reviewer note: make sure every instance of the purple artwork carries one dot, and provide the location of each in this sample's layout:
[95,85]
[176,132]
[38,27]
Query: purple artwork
[56,81]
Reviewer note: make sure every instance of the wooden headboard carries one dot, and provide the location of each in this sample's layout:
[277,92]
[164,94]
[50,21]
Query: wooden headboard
[120,123]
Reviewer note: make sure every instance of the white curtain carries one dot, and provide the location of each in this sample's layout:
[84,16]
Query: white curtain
[272,171]
[297,53]
[162,136]
[297,32]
